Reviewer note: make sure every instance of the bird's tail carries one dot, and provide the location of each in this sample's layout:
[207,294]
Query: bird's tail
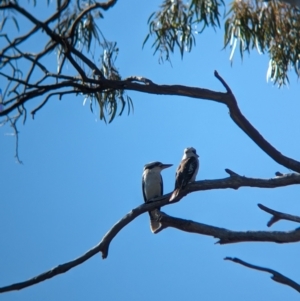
[154,224]
[174,194]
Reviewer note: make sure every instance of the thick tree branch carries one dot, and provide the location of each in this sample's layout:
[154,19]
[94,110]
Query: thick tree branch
[226,236]
[276,276]
[226,98]
[248,128]
[236,181]
[277,216]
[128,85]
[102,247]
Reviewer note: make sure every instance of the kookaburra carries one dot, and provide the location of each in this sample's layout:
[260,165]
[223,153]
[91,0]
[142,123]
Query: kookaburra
[186,171]
[153,187]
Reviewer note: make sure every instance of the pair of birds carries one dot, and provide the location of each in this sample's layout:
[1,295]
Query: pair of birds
[153,183]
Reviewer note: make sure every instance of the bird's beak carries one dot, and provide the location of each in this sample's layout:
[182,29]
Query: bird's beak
[166,166]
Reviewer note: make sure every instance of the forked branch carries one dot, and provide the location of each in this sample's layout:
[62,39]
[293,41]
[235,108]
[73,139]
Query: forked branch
[253,133]
[225,236]
[276,276]
[150,87]
[277,216]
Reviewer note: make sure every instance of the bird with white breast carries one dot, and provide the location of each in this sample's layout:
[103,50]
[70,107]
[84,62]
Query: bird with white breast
[152,185]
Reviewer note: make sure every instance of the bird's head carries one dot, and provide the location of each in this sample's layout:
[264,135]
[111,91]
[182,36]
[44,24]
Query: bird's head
[158,166]
[190,152]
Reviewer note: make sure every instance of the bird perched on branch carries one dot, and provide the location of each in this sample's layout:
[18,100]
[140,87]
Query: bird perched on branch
[186,171]
[152,185]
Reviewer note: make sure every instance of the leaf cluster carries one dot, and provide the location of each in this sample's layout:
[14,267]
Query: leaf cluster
[109,99]
[269,27]
[72,31]
[176,23]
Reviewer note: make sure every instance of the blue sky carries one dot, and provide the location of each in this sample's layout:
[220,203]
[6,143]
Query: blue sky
[80,176]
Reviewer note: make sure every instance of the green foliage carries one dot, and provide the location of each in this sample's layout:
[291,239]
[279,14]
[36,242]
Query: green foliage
[271,28]
[175,24]
[110,100]
[72,32]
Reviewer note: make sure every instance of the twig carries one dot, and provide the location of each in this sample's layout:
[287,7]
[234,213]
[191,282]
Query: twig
[33,112]
[104,6]
[231,173]
[276,276]
[13,122]
[277,216]
[227,88]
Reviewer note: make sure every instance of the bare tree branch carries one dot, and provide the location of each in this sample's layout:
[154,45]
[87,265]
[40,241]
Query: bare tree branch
[95,81]
[110,85]
[105,6]
[225,236]
[127,85]
[225,98]
[236,181]
[248,128]
[102,247]
[38,23]
[60,94]
[277,216]
[276,276]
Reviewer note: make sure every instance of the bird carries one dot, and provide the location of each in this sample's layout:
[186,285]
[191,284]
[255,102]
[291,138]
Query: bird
[186,171]
[152,186]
